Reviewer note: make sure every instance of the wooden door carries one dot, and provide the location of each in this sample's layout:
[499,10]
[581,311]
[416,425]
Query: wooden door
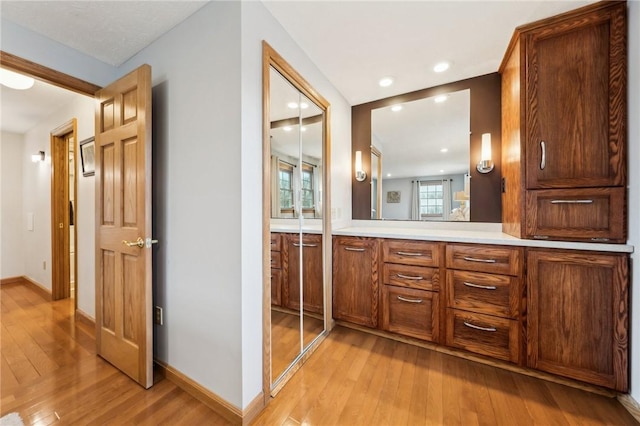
[124,324]
[577,309]
[355,280]
[576,102]
[60,210]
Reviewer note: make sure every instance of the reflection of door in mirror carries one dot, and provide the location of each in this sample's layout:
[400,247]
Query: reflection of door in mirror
[426,146]
[376,183]
[295,202]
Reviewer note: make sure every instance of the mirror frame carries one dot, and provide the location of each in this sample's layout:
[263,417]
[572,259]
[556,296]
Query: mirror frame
[485,118]
[271,58]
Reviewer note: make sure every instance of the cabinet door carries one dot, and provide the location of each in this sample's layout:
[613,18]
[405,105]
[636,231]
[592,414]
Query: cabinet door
[355,280]
[578,315]
[311,273]
[276,287]
[576,101]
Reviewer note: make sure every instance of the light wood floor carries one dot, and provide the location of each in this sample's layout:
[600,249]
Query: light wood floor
[49,370]
[51,374]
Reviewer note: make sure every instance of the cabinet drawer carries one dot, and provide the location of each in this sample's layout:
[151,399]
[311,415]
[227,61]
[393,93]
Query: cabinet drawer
[479,258]
[419,277]
[483,334]
[484,293]
[276,260]
[276,242]
[276,287]
[591,214]
[406,252]
[410,312]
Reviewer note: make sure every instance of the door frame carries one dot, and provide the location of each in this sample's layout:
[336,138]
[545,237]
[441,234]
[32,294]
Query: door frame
[60,256]
[57,78]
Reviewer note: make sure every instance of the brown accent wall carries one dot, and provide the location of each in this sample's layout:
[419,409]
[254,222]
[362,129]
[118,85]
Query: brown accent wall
[485,118]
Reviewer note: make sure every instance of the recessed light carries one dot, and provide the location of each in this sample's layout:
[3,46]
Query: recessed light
[287,128]
[388,174]
[441,171]
[396,108]
[441,66]
[304,105]
[385,81]
[303,129]
[440,98]
[292,105]
[444,150]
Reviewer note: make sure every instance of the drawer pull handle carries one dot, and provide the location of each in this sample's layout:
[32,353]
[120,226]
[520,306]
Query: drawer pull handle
[406,253]
[353,249]
[543,159]
[484,287]
[404,299]
[571,201]
[409,277]
[477,327]
[601,240]
[305,245]
[474,259]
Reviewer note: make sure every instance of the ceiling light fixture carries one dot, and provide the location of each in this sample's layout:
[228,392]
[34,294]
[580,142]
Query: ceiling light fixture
[441,66]
[287,128]
[14,80]
[444,150]
[396,108]
[440,98]
[385,82]
[36,158]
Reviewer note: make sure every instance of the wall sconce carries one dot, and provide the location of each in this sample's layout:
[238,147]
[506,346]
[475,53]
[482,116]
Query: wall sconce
[38,157]
[360,174]
[485,165]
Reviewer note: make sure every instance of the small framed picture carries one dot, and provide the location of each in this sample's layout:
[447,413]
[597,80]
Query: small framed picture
[393,196]
[87,157]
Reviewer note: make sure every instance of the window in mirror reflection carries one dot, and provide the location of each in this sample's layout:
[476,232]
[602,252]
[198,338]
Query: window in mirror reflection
[426,156]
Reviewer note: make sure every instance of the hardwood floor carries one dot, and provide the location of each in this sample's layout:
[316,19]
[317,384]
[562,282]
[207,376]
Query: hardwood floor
[50,374]
[360,379]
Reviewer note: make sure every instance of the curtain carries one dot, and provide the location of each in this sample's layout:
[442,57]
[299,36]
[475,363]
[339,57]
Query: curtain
[275,186]
[446,199]
[415,200]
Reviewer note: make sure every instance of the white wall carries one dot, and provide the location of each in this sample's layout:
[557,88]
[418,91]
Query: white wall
[37,200]
[634,190]
[12,224]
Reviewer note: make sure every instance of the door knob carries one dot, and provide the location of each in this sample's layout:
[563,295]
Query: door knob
[139,242]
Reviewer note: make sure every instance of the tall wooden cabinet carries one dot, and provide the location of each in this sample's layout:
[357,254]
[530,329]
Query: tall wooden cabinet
[577,315]
[564,127]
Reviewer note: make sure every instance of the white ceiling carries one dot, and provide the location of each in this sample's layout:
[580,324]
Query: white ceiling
[353,43]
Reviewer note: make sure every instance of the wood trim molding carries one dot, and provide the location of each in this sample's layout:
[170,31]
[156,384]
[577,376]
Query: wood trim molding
[83,317]
[11,280]
[42,290]
[24,66]
[210,399]
[630,404]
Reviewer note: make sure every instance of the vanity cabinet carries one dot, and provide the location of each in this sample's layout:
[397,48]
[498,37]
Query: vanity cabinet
[564,84]
[311,253]
[410,290]
[355,280]
[484,299]
[276,269]
[578,315]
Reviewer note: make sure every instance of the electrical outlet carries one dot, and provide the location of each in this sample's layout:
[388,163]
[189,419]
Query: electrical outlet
[158,316]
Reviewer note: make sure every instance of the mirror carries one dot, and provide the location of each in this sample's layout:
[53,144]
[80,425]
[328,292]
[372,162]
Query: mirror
[411,151]
[295,146]
[426,149]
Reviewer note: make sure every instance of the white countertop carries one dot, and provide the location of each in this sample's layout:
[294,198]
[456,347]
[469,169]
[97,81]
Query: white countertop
[471,233]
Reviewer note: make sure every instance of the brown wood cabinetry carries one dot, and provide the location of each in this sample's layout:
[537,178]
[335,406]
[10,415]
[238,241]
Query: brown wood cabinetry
[309,250]
[355,280]
[578,315]
[276,269]
[484,299]
[564,149]
[410,298]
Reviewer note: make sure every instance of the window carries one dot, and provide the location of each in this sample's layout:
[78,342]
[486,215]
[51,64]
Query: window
[431,199]
[286,187]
